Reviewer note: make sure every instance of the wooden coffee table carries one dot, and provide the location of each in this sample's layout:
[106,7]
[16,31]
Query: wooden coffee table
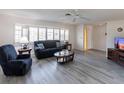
[64,56]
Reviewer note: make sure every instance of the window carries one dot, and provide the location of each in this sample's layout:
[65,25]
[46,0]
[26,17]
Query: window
[66,35]
[49,34]
[56,34]
[42,33]
[33,34]
[18,33]
[25,32]
[62,35]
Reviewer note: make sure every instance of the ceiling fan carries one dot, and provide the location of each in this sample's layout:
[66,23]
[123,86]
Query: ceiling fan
[75,15]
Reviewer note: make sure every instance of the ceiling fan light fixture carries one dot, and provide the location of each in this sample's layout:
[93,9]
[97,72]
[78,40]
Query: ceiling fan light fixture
[75,16]
[67,14]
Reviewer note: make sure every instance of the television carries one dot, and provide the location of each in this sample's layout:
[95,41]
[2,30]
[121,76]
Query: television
[119,43]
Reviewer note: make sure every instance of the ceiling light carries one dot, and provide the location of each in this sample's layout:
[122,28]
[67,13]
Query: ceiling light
[68,14]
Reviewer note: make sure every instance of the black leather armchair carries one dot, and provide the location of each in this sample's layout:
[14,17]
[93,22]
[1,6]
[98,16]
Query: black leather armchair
[13,64]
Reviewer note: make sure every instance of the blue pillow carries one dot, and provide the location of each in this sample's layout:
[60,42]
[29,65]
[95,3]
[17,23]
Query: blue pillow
[40,45]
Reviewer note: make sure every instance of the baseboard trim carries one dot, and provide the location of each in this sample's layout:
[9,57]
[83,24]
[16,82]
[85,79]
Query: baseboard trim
[97,50]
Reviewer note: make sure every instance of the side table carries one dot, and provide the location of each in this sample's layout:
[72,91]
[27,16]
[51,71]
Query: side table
[21,51]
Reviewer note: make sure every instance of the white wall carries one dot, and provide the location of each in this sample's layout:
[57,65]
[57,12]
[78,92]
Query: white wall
[102,42]
[96,35]
[7,23]
[79,37]
[90,36]
[112,32]
[99,37]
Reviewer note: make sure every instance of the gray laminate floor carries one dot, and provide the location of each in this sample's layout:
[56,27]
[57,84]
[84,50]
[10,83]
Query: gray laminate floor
[90,67]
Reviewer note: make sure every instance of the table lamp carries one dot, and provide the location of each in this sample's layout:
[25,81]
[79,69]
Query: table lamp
[24,42]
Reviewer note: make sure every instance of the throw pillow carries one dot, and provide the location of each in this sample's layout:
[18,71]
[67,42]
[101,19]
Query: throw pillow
[58,44]
[40,45]
[62,43]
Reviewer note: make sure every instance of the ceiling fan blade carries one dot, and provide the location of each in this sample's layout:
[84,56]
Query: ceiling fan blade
[74,20]
[84,18]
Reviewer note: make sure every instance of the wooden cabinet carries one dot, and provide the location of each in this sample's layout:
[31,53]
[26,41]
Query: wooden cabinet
[112,54]
[116,55]
[120,58]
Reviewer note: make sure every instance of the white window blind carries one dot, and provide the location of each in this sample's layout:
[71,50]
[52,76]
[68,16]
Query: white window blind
[40,33]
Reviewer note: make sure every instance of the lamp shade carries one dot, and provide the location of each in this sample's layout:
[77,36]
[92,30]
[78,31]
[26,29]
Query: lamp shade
[24,40]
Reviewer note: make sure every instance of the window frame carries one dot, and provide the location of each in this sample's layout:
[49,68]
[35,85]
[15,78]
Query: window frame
[15,33]
[38,31]
[52,35]
[29,33]
[63,34]
[45,32]
[68,35]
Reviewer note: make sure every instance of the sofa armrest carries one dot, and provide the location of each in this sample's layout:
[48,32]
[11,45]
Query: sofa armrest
[62,46]
[23,56]
[37,49]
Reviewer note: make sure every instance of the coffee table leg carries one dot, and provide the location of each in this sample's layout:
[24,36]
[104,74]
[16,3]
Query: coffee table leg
[20,52]
[72,57]
[65,59]
[57,59]
[60,59]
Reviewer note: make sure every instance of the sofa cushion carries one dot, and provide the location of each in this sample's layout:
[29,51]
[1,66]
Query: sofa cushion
[53,49]
[49,51]
[50,44]
[40,46]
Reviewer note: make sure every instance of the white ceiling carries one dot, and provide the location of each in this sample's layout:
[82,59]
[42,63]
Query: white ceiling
[58,15]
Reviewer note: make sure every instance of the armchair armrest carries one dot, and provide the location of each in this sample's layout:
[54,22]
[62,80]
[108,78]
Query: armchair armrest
[23,56]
